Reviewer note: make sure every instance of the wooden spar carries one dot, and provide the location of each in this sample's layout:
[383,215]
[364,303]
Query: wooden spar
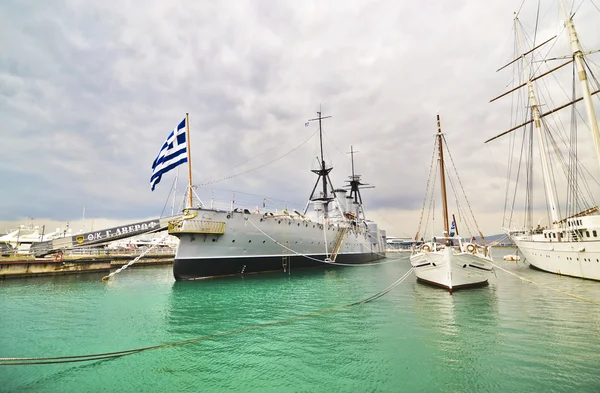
[443,178]
[189,152]
[542,115]
[526,53]
[536,78]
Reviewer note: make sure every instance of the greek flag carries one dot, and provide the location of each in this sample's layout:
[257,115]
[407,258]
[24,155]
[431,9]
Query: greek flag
[452,227]
[172,153]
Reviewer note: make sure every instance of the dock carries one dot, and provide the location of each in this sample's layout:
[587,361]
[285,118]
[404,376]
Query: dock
[78,262]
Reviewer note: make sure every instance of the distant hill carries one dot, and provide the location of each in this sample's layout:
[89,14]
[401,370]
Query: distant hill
[501,239]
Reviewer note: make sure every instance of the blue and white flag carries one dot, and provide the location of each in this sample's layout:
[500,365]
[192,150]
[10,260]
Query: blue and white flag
[452,227]
[172,153]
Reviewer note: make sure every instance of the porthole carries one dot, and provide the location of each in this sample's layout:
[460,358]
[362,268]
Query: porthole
[249,241]
[264,241]
[233,241]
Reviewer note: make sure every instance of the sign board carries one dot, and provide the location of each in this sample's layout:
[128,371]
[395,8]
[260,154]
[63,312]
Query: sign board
[115,233]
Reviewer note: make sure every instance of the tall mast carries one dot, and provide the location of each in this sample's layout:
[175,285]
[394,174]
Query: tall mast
[585,87]
[189,153]
[535,114]
[323,172]
[442,177]
[355,185]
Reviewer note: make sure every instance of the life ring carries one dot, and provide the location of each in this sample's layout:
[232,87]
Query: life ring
[58,257]
[425,247]
[471,248]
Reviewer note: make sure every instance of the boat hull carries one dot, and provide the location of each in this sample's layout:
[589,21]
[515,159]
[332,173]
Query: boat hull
[450,270]
[254,243]
[568,258]
[201,268]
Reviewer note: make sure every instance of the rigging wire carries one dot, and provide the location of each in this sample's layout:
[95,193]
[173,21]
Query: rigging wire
[111,355]
[461,186]
[427,187]
[258,167]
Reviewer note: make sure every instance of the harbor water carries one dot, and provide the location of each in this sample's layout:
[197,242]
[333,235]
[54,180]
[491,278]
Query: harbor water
[511,336]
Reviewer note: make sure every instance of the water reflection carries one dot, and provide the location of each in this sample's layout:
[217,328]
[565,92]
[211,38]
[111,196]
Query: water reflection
[460,328]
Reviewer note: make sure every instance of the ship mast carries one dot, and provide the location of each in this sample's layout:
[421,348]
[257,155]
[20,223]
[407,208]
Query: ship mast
[443,178]
[585,87]
[355,185]
[323,173]
[535,114]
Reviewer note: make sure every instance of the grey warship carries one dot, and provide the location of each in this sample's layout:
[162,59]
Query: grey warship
[332,231]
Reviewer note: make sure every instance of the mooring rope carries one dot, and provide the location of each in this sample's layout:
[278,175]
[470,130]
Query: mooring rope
[119,270]
[320,260]
[112,355]
[547,286]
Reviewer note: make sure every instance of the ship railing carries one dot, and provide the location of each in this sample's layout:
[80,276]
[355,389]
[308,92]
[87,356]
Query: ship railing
[206,227]
[250,202]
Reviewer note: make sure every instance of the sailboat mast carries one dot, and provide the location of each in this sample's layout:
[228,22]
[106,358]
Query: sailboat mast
[585,87]
[535,114]
[189,152]
[443,177]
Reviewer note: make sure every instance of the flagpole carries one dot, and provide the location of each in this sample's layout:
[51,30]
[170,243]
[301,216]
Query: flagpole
[189,152]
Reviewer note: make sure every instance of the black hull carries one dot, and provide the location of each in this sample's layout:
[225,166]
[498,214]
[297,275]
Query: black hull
[455,288]
[200,268]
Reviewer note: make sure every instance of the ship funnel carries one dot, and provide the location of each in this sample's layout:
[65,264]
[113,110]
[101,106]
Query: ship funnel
[340,195]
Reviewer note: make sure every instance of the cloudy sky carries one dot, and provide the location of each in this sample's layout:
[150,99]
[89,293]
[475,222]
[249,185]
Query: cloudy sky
[90,89]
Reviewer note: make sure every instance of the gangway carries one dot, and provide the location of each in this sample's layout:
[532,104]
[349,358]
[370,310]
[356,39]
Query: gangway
[101,237]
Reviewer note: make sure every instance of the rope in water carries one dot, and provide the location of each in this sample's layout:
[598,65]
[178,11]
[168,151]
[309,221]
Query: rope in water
[112,355]
[119,270]
[547,286]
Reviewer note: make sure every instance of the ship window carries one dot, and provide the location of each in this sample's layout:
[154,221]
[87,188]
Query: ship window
[545,235]
[249,241]
[263,241]
[594,233]
[587,233]
[554,235]
[233,241]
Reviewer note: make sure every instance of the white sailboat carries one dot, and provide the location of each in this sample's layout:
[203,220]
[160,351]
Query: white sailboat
[450,261]
[567,242]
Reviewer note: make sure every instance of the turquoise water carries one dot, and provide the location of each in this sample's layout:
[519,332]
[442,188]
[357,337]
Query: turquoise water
[511,336]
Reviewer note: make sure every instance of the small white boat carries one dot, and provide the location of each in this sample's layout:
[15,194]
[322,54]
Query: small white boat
[449,261]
